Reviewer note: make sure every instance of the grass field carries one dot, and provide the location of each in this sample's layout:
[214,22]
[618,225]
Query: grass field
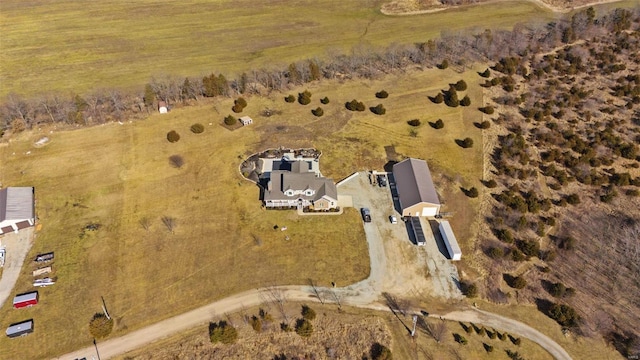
[72,46]
[115,175]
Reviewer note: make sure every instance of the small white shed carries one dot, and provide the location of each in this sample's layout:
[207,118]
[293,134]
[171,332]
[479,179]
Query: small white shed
[245,120]
[162,107]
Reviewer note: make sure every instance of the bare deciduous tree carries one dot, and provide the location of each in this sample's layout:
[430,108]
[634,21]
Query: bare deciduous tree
[315,291]
[278,298]
[145,222]
[176,161]
[169,222]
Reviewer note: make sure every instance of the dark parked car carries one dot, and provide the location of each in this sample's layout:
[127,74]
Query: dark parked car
[366,214]
[382,180]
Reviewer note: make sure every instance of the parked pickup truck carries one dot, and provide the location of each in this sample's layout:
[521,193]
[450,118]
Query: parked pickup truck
[366,214]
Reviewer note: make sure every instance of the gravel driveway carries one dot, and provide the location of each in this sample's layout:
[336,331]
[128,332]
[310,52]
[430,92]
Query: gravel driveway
[398,266]
[18,246]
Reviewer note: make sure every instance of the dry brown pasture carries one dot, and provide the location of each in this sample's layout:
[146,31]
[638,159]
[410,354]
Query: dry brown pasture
[338,334]
[116,175]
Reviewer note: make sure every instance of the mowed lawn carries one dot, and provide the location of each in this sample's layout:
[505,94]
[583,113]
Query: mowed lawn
[115,175]
[75,46]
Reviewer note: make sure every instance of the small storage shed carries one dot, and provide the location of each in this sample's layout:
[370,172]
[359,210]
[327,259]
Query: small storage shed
[416,192]
[25,300]
[162,107]
[450,241]
[20,329]
[245,120]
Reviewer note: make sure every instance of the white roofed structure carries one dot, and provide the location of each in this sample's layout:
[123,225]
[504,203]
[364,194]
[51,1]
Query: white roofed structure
[17,209]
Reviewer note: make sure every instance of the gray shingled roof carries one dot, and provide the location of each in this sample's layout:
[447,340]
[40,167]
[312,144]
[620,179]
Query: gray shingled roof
[16,203]
[414,183]
[283,180]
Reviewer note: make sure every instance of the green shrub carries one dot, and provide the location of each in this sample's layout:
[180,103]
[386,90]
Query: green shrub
[222,332]
[451,97]
[355,105]
[304,98]
[438,99]
[487,109]
[573,199]
[518,282]
[491,184]
[486,73]
[382,94]
[471,290]
[466,143]
[466,101]
[237,108]
[496,253]
[488,348]
[632,192]
[317,111]
[444,64]
[482,331]
[484,125]
[304,328]
[324,100]
[472,193]
[241,101]
[460,339]
[380,352]
[439,124]
[230,120]
[173,136]
[414,122]
[256,323]
[197,128]
[308,313]
[100,326]
[461,85]
[517,255]
[564,315]
[285,327]
[378,109]
[290,98]
[491,334]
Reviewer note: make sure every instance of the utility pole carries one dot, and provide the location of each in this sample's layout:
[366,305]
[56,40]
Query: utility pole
[415,321]
[104,308]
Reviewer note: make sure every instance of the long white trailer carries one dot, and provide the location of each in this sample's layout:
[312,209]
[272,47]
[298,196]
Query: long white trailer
[450,240]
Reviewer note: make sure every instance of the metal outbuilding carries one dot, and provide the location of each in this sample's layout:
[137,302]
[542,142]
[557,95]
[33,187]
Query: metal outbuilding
[17,208]
[416,192]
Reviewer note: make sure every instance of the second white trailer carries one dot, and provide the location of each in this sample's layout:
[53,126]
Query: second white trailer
[450,241]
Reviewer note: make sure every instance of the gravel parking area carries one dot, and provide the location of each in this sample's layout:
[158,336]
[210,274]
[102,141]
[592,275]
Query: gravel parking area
[18,246]
[397,265]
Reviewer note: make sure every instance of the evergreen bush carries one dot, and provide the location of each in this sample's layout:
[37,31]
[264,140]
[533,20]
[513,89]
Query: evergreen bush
[173,136]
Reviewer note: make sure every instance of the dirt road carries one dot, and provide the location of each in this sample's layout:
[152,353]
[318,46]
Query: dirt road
[511,326]
[200,316]
[18,246]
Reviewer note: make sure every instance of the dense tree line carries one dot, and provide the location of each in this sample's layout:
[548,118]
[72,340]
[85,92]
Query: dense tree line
[456,49]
